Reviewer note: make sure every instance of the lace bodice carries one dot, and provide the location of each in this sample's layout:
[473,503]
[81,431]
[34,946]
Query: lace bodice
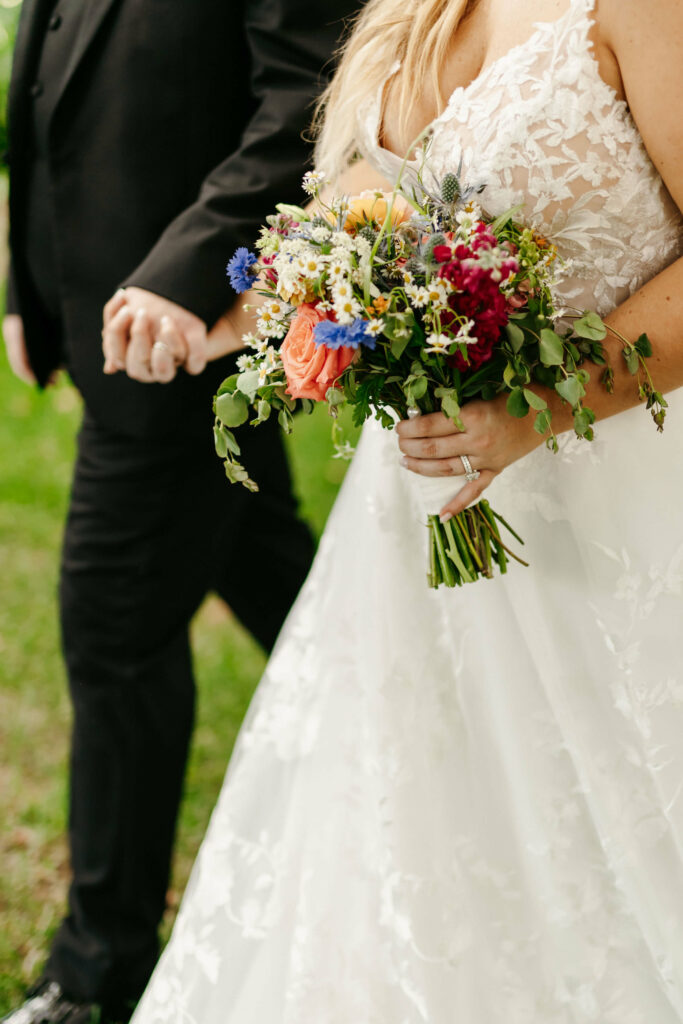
[541,127]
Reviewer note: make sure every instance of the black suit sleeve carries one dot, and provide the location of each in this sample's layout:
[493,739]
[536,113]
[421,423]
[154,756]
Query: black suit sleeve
[292,42]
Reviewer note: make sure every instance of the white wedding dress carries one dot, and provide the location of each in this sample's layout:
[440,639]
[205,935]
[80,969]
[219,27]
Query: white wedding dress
[466,807]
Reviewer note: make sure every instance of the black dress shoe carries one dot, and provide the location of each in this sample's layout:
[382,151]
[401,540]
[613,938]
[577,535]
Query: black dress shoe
[47,1004]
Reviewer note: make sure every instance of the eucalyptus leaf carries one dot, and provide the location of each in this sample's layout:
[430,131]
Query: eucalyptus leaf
[450,406]
[516,336]
[219,443]
[632,360]
[590,326]
[232,409]
[398,347]
[517,404]
[535,401]
[582,422]
[551,348]
[248,383]
[542,422]
[571,389]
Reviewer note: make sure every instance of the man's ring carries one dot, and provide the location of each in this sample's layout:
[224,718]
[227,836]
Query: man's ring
[163,347]
[470,474]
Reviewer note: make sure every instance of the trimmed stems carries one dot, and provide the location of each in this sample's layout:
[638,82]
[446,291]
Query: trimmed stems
[468,546]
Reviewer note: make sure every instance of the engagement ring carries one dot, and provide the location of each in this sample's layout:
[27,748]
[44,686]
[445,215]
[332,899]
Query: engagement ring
[470,474]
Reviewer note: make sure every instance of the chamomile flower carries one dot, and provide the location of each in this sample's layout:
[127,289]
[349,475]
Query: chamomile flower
[338,267]
[374,328]
[438,292]
[342,291]
[246,362]
[310,266]
[268,325]
[417,296]
[313,182]
[251,341]
[347,310]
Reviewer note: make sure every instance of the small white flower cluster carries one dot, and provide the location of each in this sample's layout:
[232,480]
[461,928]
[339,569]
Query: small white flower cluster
[272,321]
[266,358]
[301,266]
[467,220]
[313,182]
[435,294]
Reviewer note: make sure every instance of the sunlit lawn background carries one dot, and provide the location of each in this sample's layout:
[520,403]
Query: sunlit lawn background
[36,449]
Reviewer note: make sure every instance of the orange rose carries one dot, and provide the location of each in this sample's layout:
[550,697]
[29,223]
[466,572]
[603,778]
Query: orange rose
[311,369]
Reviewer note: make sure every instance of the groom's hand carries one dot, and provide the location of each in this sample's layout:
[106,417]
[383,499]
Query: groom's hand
[150,337]
[15,343]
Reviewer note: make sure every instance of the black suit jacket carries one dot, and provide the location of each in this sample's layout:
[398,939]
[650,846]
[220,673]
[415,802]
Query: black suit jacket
[175,128]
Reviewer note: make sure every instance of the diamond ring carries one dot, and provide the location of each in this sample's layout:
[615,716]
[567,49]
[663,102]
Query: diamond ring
[470,474]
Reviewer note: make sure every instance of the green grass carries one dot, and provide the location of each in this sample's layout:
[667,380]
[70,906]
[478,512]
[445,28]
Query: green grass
[36,450]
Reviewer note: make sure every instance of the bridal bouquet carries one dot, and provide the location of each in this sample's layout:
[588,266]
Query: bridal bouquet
[404,304]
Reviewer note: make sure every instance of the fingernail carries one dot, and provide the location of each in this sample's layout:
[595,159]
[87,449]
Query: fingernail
[166,322]
[120,292]
[403,461]
[140,313]
[445,517]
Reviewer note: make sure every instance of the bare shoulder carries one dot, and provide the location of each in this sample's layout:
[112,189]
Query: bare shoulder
[646,38]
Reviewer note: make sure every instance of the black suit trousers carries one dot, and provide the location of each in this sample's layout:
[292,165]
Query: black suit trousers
[153,526]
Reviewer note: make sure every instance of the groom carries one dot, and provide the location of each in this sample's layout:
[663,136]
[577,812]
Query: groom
[148,139]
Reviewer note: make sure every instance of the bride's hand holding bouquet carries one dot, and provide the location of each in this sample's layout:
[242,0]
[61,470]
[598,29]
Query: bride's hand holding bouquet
[423,306]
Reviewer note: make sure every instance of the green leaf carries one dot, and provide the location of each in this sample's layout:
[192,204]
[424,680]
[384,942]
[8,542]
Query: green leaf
[285,421]
[632,360]
[582,422]
[571,389]
[509,374]
[644,346]
[232,410]
[335,396]
[248,383]
[551,348]
[517,404]
[450,406]
[229,384]
[417,389]
[590,326]
[398,346]
[542,422]
[263,409]
[231,442]
[516,336]
[535,401]
[219,443]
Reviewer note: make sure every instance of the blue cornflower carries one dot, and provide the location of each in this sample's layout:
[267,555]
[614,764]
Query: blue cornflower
[333,335]
[238,270]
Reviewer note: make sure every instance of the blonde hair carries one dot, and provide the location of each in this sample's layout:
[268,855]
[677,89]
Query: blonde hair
[416,32]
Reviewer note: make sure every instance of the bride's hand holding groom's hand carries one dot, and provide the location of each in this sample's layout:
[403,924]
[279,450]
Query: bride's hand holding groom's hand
[151,338]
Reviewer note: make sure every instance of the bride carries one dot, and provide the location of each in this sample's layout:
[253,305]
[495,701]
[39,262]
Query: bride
[467,806]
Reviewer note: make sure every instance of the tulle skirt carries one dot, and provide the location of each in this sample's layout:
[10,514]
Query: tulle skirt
[462,805]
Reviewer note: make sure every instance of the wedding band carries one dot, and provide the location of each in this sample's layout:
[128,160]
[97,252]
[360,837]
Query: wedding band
[164,348]
[470,474]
